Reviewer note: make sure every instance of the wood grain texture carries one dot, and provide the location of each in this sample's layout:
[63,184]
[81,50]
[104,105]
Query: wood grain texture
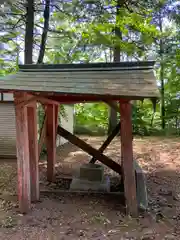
[22,143]
[108,141]
[134,82]
[33,151]
[127,159]
[90,150]
[51,141]
[89,66]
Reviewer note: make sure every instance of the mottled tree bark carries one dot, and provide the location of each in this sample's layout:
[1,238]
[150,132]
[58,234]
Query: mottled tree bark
[45,31]
[28,51]
[116,58]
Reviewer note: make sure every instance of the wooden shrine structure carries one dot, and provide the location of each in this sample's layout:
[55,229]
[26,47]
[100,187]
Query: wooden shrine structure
[52,85]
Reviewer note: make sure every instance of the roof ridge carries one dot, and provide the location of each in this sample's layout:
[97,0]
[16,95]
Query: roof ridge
[89,66]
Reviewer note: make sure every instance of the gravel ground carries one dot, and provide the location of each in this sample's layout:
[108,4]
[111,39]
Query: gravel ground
[96,216]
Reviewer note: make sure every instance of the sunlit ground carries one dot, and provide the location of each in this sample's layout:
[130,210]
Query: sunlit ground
[73,216]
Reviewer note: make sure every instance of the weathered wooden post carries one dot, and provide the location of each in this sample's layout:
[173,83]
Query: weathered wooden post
[22,144]
[51,132]
[33,150]
[127,158]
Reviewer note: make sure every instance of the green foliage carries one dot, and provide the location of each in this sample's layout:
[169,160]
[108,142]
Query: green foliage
[91,118]
[84,31]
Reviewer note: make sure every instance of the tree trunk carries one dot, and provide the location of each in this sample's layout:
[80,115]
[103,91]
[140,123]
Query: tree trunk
[163,123]
[45,31]
[28,52]
[116,58]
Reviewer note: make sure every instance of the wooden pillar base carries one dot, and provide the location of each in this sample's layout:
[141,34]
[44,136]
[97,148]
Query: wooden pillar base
[127,159]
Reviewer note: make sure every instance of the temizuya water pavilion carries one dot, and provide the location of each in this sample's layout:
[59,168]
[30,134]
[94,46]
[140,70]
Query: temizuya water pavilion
[74,83]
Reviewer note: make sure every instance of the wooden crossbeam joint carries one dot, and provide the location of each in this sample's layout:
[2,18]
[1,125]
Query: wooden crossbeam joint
[33,98]
[89,149]
[108,141]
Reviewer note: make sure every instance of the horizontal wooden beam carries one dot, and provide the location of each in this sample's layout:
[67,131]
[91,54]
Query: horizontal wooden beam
[27,102]
[33,98]
[79,98]
[45,100]
[89,149]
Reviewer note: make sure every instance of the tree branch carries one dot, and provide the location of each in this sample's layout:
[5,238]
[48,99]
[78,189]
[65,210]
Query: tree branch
[18,21]
[69,34]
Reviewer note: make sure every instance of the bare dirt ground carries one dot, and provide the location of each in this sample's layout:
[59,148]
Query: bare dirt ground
[94,216]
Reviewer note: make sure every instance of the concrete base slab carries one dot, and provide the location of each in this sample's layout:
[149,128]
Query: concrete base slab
[91,172]
[86,185]
[141,189]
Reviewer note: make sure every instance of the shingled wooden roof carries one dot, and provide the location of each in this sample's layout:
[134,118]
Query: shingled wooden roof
[127,79]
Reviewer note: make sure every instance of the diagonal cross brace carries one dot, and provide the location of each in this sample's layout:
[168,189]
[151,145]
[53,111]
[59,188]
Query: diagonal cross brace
[113,133]
[108,140]
[89,149]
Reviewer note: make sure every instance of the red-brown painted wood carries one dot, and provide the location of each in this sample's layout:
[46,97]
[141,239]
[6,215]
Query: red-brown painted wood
[75,98]
[22,142]
[63,98]
[50,141]
[33,151]
[127,159]
[90,150]
[56,117]
[42,135]
[108,141]
[82,98]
